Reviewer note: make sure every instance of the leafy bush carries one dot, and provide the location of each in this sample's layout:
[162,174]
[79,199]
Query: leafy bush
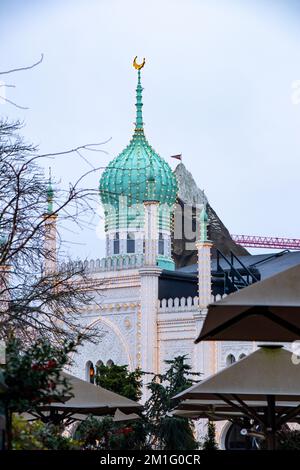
[36,435]
[103,433]
[209,441]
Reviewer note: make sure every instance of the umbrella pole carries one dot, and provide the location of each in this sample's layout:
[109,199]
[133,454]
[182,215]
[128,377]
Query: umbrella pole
[271,440]
[271,423]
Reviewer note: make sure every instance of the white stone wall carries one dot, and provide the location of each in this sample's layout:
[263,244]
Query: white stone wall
[124,333]
[234,349]
[117,340]
[115,314]
[177,330]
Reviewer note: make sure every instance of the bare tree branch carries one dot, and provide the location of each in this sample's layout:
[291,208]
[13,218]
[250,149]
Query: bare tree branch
[35,300]
[19,69]
[13,103]
[76,149]
[28,67]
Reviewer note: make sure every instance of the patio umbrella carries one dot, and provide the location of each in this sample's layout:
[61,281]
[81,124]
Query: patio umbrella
[204,409]
[88,399]
[119,416]
[268,310]
[264,386]
[201,409]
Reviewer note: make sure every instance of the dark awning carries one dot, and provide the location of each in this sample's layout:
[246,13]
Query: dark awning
[268,310]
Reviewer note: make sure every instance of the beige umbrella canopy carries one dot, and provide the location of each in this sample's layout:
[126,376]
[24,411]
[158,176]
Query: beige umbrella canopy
[220,411]
[203,409]
[88,399]
[268,310]
[264,386]
[120,416]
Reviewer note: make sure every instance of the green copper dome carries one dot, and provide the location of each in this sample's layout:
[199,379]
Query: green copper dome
[128,176]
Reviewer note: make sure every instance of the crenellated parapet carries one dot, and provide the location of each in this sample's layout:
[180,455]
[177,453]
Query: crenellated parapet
[183,304]
[178,304]
[110,263]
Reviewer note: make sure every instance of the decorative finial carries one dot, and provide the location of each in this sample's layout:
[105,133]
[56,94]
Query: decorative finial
[204,223]
[138,66]
[139,89]
[50,194]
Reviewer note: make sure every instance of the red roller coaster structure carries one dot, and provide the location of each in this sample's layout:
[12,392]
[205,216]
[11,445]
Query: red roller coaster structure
[252,241]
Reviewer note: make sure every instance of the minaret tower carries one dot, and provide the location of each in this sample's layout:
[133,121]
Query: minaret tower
[151,205]
[204,246]
[123,191]
[149,282]
[50,255]
[138,191]
[205,352]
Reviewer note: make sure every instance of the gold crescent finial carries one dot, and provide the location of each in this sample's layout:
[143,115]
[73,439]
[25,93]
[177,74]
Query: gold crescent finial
[138,66]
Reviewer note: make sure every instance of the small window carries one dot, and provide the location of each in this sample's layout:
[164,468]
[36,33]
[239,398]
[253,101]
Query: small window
[90,372]
[116,244]
[130,243]
[230,359]
[242,356]
[161,244]
[110,363]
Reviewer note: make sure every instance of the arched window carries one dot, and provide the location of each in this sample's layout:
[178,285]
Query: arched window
[90,372]
[230,359]
[116,243]
[161,244]
[110,363]
[99,364]
[130,242]
[241,356]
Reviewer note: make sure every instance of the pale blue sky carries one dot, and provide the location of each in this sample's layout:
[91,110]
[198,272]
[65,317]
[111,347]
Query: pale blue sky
[217,87]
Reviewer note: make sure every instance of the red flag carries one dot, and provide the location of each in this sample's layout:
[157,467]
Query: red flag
[178,157]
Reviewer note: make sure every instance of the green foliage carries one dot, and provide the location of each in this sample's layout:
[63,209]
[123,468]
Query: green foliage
[174,433]
[288,440]
[39,436]
[32,374]
[25,435]
[33,377]
[159,402]
[169,432]
[209,442]
[119,380]
[94,432]
[165,386]
[104,434]
[179,376]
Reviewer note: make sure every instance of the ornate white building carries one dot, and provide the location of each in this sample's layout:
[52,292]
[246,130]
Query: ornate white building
[139,327]
[148,311]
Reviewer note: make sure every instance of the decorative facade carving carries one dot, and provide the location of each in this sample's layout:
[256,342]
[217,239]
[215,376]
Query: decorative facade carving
[233,351]
[116,343]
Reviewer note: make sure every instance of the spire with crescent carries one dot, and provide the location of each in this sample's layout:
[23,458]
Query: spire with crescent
[136,175]
[139,98]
